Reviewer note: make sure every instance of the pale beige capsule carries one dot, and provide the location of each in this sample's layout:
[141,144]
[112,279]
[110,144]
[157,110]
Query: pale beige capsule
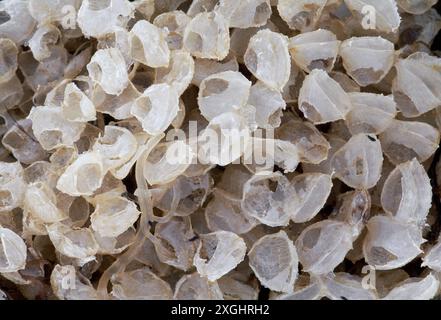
[314,50]
[378,58]
[267,58]
[404,140]
[195,287]
[13,251]
[371,113]
[12,92]
[206,67]
[415,289]
[420,30]
[179,73]
[207,36]
[311,144]
[19,24]
[108,68]
[156,108]
[12,186]
[358,163]
[42,40]
[99,18]
[407,193]
[8,60]
[244,13]
[113,215]
[305,289]
[222,92]
[416,7]
[323,245]
[345,286]
[432,257]
[198,6]
[301,15]
[68,284]
[270,198]
[175,22]
[322,99]
[390,243]
[84,176]
[385,13]
[48,11]
[140,284]
[148,45]
[218,253]
[416,87]
[274,261]
[268,103]
[115,245]
[77,106]
[235,286]
[313,190]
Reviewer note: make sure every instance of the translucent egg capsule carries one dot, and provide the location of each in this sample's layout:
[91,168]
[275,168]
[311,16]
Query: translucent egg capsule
[415,289]
[322,99]
[267,58]
[12,93]
[206,67]
[47,11]
[195,287]
[390,243]
[12,186]
[77,106]
[245,13]
[404,140]
[218,253]
[8,59]
[314,50]
[415,88]
[68,284]
[301,15]
[18,25]
[108,68]
[371,113]
[207,36]
[223,92]
[407,193]
[313,190]
[323,245]
[345,286]
[358,163]
[416,6]
[13,251]
[378,58]
[432,257]
[42,40]
[175,22]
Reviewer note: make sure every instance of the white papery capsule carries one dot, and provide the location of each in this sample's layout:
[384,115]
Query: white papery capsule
[378,58]
[108,68]
[223,92]
[415,289]
[198,6]
[404,140]
[416,7]
[68,284]
[19,24]
[385,13]
[52,129]
[345,286]
[156,108]
[43,40]
[270,198]
[407,194]
[267,58]
[358,163]
[371,113]
[77,106]
[391,243]
[12,186]
[322,99]
[416,87]
[207,36]
[99,18]
[244,13]
[301,15]
[314,50]
[323,245]
[432,258]
[8,60]
[195,287]
[13,251]
[84,176]
[140,284]
[218,253]
[175,22]
[313,190]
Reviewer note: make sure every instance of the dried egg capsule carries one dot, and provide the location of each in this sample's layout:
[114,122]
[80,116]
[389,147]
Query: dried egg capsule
[301,15]
[420,29]
[175,22]
[404,140]
[322,99]
[391,243]
[205,67]
[273,258]
[115,245]
[371,113]
[77,106]
[407,193]
[415,289]
[8,60]
[218,253]
[13,251]
[223,92]
[323,245]
[244,13]
[12,186]
[80,289]
[195,287]
[267,58]
[17,24]
[235,286]
[207,36]
[416,87]
[416,7]
[12,93]
[432,257]
[42,40]
[358,163]
[345,286]
[314,50]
